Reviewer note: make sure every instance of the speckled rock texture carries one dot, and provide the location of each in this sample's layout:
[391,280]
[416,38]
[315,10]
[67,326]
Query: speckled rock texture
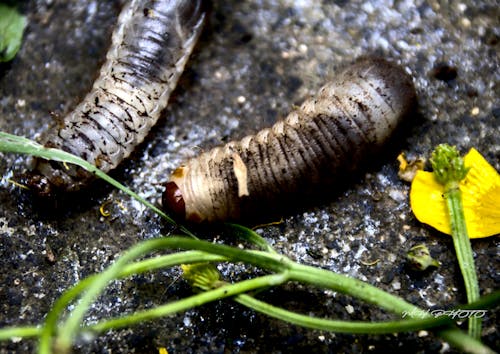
[255,60]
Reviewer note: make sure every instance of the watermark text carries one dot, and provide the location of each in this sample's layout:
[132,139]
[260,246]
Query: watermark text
[453,314]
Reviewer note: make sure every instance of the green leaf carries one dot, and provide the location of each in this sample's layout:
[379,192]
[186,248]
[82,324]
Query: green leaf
[12,25]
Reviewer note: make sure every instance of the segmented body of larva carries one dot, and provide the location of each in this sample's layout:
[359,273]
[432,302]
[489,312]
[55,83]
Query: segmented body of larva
[150,46]
[328,136]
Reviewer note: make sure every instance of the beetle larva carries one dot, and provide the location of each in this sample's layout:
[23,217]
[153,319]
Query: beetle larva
[328,136]
[150,46]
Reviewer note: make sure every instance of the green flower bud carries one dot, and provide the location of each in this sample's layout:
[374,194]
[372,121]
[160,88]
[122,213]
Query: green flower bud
[420,258]
[204,276]
[448,165]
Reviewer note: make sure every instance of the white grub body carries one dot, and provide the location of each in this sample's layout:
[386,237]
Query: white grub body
[324,139]
[150,46]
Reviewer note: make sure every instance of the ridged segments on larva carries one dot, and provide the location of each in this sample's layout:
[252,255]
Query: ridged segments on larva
[328,136]
[150,46]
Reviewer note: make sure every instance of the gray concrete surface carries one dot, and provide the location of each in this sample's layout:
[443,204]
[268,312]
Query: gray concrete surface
[256,59]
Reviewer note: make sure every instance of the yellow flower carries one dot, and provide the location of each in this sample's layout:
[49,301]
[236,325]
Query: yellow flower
[480,197]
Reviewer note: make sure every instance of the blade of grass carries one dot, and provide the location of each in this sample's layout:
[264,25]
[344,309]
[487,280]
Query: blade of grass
[21,145]
[17,144]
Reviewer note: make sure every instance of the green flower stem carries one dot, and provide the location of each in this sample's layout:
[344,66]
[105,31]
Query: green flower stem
[464,251]
[456,337]
[449,170]
[488,301]
[461,241]
[70,327]
[136,268]
[341,326]
[464,342]
[325,279]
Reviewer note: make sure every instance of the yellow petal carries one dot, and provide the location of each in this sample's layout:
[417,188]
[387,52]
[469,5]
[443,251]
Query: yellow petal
[480,197]
[427,203]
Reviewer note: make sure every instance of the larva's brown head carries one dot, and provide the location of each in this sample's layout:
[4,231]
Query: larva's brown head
[175,198]
[52,179]
[37,184]
[173,201]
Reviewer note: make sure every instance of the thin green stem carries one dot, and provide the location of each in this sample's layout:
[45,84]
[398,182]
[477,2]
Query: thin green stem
[463,250]
[464,342]
[97,283]
[95,287]
[143,266]
[192,301]
[257,258]
[449,170]
[70,327]
[338,282]
[490,300]
[59,306]
[376,296]
[20,332]
[354,287]
[340,326]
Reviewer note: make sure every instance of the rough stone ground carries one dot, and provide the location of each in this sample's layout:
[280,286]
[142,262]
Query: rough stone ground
[257,58]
